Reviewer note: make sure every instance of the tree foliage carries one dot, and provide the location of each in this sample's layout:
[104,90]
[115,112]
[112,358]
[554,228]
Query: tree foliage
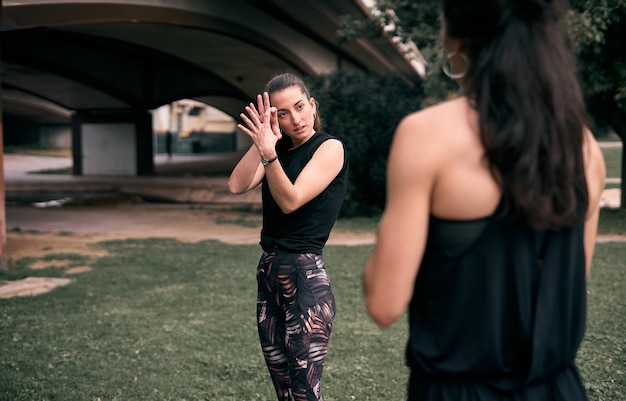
[355,108]
[597,27]
[409,20]
[598,30]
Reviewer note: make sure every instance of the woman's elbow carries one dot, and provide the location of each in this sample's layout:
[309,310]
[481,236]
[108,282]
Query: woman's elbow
[288,210]
[383,315]
[288,207]
[234,188]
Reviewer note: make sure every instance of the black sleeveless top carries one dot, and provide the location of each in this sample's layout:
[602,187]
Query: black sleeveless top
[498,314]
[308,228]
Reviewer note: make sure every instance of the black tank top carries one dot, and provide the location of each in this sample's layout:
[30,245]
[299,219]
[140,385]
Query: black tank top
[498,311]
[308,228]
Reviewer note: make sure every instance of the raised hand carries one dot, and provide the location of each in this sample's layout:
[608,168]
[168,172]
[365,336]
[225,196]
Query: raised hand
[260,123]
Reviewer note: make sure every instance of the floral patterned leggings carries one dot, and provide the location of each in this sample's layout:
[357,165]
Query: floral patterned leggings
[295,311]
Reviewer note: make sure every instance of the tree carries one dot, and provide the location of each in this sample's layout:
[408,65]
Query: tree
[355,109]
[419,22]
[409,21]
[597,28]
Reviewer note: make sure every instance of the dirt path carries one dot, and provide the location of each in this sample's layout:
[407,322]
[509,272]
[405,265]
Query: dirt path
[36,232]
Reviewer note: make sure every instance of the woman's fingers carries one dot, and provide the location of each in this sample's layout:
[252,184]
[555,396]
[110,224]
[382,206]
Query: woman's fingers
[254,124]
[273,119]
[249,123]
[261,120]
[266,100]
[260,104]
[252,112]
[252,119]
[244,129]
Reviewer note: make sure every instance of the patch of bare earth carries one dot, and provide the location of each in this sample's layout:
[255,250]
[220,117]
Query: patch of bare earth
[38,245]
[38,233]
[21,245]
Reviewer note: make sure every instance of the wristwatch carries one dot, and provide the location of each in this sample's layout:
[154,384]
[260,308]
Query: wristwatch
[265,162]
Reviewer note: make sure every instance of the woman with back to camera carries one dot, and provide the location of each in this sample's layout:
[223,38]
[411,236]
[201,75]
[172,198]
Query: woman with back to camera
[304,177]
[491,217]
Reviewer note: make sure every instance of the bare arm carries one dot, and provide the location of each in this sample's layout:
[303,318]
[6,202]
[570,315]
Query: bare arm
[595,171]
[247,174]
[390,272]
[326,163]
[261,126]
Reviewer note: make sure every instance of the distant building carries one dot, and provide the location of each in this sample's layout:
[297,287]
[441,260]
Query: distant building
[194,127]
[185,116]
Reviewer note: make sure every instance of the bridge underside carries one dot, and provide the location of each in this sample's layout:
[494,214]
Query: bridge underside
[102,67]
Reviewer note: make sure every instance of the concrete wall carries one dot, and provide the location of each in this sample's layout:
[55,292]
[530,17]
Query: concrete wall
[109,149]
[55,136]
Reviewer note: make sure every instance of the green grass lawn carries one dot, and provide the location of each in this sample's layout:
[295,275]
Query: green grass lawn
[612,222]
[159,319]
[602,357]
[613,161]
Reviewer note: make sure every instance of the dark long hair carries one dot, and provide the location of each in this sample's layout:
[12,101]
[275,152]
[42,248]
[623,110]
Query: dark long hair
[287,80]
[522,82]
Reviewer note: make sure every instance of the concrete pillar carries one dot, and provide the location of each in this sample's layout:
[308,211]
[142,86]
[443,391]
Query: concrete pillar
[3,220]
[112,143]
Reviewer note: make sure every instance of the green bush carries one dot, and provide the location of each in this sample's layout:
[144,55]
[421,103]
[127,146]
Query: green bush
[363,110]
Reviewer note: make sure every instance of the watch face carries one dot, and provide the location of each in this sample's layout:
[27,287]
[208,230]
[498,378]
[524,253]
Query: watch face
[265,162]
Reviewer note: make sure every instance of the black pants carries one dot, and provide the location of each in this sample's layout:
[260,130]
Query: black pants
[295,315]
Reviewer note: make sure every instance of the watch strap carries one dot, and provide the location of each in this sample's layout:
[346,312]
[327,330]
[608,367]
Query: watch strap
[265,162]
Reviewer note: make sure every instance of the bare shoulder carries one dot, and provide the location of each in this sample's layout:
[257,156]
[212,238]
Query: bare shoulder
[439,111]
[440,128]
[333,146]
[330,154]
[333,143]
[444,118]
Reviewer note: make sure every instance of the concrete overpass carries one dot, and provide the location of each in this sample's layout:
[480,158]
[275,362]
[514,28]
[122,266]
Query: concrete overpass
[105,65]
[102,66]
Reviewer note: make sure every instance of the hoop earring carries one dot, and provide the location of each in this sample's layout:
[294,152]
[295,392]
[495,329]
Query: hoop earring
[447,66]
[314,115]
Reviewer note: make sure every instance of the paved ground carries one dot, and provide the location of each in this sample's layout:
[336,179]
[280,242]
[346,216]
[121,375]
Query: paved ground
[182,178]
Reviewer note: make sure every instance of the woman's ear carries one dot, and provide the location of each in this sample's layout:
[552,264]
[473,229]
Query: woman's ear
[454,46]
[462,46]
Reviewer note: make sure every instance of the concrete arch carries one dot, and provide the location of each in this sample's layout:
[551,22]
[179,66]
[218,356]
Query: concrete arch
[104,64]
[100,52]
[111,62]
[151,43]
